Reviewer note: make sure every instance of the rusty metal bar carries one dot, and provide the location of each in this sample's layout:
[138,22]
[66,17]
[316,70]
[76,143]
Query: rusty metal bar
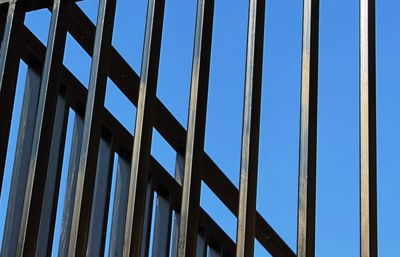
[308,131]
[250,131]
[368,155]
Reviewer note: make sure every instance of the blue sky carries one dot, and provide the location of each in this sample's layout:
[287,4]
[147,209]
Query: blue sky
[337,227]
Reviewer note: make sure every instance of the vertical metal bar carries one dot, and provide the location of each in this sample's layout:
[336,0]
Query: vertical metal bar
[68,208]
[201,243]
[148,212]
[196,129]
[162,227]
[21,163]
[308,131]
[91,132]
[179,169]
[49,207]
[214,251]
[98,220]
[119,211]
[9,64]
[368,166]
[3,16]
[250,130]
[41,146]
[143,129]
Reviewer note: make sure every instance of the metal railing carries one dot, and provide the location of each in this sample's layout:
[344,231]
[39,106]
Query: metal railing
[51,90]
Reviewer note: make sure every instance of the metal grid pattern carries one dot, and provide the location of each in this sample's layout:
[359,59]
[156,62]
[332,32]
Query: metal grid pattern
[51,90]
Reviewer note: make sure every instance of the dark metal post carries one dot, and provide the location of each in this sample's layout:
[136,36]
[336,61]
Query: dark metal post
[52,185]
[101,196]
[21,164]
[191,188]
[308,131]
[179,169]
[91,131]
[143,131]
[120,205]
[71,186]
[162,226]
[41,145]
[368,169]
[9,63]
[250,130]
[148,212]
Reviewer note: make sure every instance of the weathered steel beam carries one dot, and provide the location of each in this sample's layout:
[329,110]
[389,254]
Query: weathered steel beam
[35,197]
[368,155]
[193,165]
[308,131]
[135,218]
[250,130]
[9,64]
[91,133]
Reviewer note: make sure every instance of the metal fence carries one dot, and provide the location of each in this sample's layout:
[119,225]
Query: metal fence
[51,90]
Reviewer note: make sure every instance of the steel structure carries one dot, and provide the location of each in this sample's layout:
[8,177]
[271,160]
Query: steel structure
[51,90]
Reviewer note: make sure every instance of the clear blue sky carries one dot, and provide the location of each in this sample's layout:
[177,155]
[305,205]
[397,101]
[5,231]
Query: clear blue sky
[337,228]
